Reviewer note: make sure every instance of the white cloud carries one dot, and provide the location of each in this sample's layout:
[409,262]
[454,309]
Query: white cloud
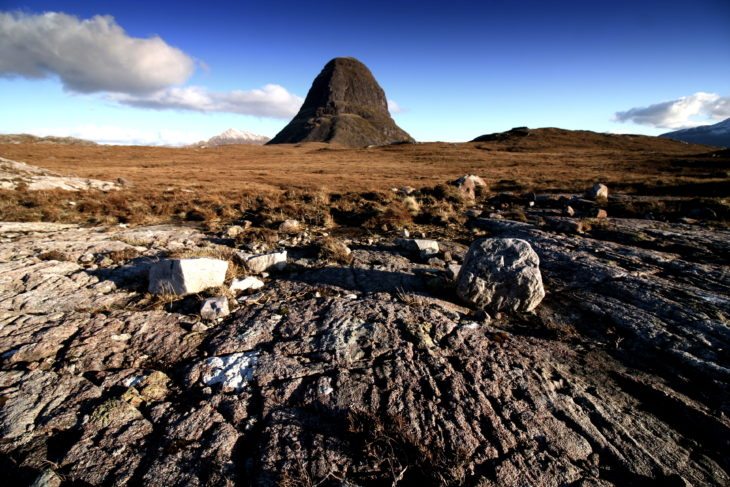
[107,134]
[88,55]
[688,111]
[270,101]
[393,107]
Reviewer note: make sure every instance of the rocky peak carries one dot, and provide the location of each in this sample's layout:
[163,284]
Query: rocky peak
[345,105]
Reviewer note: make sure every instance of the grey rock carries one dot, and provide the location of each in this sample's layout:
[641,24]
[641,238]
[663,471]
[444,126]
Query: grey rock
[501,274]
[425,248]
[264,262]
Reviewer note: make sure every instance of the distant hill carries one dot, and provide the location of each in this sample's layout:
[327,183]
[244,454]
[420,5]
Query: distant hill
[717,134]
[521,139]
[345,106]
[33,139]
[233,137]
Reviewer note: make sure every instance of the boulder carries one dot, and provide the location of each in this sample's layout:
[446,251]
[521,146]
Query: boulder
[501,274]
[186,276]
[264,262]
[468,184]
[214,308]
[598,192]
[250,282]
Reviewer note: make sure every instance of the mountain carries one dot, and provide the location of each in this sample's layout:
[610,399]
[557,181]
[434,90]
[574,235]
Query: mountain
[523,139]
[232,137]
[717,134]
[345,105]
[34,139]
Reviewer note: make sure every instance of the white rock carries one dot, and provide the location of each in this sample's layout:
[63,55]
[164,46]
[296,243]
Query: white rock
[598,192]
[501,274]
[186,276]
[426,248]
[233,372]
[452,270]
[249,282]
[468,183]
[234,231]
[214,308]
[264,262]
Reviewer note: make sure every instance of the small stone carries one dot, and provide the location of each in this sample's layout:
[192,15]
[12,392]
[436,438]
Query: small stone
[568,211]
[214,308]
[234,231]
[600,213]
[290,226]
[405,233]
[425,248]
[598,192]
[436,262]
[452,271]
[247,283]
[263,262]
[86,258]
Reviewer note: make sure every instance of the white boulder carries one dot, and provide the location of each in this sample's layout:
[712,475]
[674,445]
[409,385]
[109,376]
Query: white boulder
[186,276]
[501,274]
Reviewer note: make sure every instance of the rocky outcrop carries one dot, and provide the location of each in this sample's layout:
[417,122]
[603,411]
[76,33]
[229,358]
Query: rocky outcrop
[345,105]
[371,372]
[16,175]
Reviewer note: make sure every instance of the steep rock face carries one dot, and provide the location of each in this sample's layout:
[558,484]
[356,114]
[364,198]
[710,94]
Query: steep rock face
[345,105]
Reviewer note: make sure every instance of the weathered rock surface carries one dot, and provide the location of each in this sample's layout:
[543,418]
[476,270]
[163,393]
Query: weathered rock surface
[345,105]
[368,374]
[18,174]
[501,274]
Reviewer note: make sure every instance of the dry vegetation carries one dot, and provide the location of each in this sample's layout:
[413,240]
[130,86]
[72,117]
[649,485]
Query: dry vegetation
[325,185]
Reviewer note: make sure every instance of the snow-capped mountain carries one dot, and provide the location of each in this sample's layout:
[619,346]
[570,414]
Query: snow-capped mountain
[717,134]
[234,136]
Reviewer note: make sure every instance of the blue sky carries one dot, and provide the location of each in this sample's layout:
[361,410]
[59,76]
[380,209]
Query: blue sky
[456,69]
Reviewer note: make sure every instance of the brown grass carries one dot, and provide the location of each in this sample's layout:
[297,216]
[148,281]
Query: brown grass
[324,185]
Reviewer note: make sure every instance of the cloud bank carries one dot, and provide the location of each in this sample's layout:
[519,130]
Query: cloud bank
[688,111]
[94,55]
[270,101]
[98,56]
